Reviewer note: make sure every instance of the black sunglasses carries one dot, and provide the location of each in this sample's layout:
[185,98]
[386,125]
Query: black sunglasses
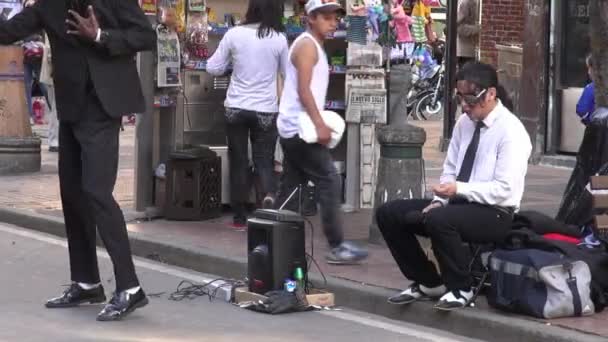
[470,99]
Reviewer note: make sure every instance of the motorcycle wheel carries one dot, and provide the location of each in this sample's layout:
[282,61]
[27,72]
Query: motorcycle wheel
[412,100]
[425,109]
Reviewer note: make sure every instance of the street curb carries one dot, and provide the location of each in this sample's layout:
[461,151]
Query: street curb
[474,323]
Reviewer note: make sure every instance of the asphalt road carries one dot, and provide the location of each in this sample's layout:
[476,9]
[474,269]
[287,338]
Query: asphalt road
[34,267]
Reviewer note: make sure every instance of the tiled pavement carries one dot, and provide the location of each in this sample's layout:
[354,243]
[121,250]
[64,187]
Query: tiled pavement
[40,192]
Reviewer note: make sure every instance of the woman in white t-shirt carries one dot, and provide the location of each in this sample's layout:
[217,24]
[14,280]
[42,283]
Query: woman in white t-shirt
[257,51]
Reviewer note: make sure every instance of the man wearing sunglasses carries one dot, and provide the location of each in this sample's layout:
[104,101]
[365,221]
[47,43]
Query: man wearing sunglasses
[480,189]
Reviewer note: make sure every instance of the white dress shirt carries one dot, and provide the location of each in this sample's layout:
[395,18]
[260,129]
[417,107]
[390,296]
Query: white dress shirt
[501,162]
[256,63]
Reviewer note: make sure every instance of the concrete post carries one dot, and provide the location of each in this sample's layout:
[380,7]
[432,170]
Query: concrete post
[400,169]
[399,81]
[353,159]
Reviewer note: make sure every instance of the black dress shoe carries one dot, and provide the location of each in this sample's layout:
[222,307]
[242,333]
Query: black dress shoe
[122,304]
[76,295]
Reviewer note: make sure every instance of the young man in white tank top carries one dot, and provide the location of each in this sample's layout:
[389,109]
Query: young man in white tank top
[304,92]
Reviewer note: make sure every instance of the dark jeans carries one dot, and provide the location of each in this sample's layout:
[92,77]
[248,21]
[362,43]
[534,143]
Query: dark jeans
[88,164]
[313,162]
[448,227]
[261,128]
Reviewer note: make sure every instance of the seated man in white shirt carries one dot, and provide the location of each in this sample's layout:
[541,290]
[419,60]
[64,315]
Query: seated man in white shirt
[480,189]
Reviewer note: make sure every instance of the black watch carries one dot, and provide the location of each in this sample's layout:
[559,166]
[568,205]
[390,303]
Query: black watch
[103,37]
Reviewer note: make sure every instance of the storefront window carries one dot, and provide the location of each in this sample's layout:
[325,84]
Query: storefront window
[576,43]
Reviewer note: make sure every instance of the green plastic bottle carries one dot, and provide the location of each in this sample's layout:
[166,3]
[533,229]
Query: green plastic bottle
[299,276]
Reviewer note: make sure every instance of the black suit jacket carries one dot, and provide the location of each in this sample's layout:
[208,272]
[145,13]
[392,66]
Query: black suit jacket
[79,65]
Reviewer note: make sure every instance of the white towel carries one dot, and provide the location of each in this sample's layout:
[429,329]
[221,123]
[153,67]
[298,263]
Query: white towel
[334,122]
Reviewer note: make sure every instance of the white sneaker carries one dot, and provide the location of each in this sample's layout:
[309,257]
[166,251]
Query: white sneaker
[346,253]
[454,300]
[417,292]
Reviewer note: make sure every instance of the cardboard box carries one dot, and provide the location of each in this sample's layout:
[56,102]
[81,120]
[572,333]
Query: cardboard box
[315,298]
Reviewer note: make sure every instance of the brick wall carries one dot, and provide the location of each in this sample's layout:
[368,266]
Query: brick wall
[502,22]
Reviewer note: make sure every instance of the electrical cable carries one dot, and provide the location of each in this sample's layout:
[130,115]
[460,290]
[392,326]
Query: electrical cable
[190,290]
[186,103]
[320,270]
[312,251]
[312,257]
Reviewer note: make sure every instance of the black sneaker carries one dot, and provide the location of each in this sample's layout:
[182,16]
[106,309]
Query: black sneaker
[455,300]
[414,293]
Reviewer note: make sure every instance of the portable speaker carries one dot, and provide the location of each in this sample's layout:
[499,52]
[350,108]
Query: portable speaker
[276,247]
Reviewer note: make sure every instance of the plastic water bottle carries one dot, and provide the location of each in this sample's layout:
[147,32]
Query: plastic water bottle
[290,285]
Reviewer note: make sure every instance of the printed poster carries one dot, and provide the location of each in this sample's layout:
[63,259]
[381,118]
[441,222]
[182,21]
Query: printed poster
[366,106]
[169,63]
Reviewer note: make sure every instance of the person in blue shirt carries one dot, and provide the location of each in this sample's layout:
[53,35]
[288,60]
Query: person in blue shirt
[586,104]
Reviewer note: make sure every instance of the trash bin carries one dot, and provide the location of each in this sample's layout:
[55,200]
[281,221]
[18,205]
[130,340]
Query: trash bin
[19,150]
[193,181]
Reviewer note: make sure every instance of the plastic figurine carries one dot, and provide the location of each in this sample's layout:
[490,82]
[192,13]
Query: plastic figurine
[375,11]
[387,37]
[401,22]
[424,62]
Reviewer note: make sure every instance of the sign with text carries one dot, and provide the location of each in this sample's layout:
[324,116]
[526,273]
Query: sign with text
[169,59]
[366,106]
[369,55]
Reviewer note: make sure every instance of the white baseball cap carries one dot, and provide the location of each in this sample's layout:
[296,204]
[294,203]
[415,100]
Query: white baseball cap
[313,5]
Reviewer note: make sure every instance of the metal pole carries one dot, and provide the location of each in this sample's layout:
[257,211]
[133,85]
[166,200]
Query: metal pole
[144,178]
[450,81]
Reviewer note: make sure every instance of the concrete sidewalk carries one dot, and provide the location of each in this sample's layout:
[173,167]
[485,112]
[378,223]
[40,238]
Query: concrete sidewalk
[32,201]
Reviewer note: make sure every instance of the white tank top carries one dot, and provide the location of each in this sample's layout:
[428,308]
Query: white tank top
[291,107]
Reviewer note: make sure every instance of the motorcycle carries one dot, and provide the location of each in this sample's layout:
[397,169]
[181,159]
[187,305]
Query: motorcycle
[425,97]
[430,103]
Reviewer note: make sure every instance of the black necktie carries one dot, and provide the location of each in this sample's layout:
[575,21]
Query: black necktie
[469,158]
[79,6]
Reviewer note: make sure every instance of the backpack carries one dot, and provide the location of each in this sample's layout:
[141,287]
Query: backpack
[539,283]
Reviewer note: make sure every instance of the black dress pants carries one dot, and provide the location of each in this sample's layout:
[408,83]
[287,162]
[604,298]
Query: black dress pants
[305,162]
[447,227]
[88,165]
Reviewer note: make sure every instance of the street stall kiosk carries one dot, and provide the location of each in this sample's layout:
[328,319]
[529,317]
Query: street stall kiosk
[188,103]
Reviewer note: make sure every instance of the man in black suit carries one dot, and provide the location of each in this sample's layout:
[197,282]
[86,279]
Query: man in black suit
[94,44]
